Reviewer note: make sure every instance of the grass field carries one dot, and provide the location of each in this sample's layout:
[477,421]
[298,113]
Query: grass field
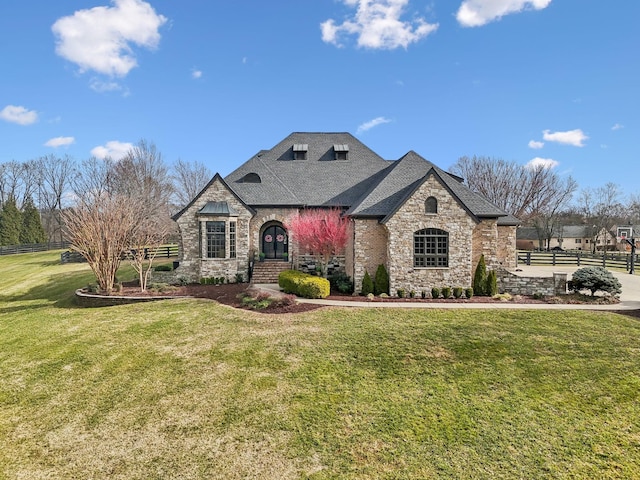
[193,390]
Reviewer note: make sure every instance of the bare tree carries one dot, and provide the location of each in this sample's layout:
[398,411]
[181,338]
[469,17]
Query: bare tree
[189,179]
[145,237]
[602,209]
[55,179]
[521,190]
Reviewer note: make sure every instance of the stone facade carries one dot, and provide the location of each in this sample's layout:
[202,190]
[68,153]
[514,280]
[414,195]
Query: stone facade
[194,263]
[520,285]
[507,246]
[411,217]
[369,245]
[485,240]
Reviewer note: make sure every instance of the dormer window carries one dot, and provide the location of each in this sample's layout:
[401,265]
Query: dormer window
[341,152]
[251,178]
[300,151]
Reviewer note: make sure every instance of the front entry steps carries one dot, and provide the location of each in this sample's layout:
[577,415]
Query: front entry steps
[268,271]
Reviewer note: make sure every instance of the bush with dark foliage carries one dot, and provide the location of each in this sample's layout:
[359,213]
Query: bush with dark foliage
[594,279]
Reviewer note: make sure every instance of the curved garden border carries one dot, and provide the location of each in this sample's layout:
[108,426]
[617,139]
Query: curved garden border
[89,300]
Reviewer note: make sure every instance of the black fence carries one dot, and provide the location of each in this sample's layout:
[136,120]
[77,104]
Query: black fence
[620,260]
[164,251]
[32,247]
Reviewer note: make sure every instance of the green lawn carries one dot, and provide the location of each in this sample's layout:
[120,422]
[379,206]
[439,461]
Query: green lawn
[190,389]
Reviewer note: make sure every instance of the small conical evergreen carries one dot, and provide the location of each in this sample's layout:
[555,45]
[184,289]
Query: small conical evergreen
[32,230]
[10,223]
[367,284]
[491,288]
[480,277]
[381,283]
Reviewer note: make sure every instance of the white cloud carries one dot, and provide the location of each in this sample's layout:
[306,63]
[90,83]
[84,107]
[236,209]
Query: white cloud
[617,126]
[196,73]
[100,38]
[546,163]
[572,137]
[113,149]
[19,115]
[60,142]
[99,86]
[377,25]
[372,123]
[475,13]
[535,144]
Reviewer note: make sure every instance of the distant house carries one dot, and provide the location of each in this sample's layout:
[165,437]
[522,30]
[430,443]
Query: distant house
[421,222]
[567,237]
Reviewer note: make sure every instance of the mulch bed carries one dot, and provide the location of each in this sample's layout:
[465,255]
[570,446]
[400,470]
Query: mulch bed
[229,295]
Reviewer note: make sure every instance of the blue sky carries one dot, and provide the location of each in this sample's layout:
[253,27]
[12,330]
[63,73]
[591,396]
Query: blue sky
[551,81]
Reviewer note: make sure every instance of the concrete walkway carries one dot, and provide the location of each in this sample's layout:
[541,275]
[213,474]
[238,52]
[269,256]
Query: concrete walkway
[629,300]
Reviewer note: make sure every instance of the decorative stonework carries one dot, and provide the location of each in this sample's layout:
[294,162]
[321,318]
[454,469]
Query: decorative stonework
[369,248]
[411,217]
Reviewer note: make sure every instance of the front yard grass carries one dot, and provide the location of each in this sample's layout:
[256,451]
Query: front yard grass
[191,389]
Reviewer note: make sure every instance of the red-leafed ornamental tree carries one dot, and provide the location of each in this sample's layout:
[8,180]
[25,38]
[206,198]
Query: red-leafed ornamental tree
[322,232]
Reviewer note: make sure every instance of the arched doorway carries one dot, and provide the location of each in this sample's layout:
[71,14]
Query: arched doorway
[274,241]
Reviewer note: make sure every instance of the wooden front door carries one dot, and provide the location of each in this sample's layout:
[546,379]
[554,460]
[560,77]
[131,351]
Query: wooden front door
[274,242]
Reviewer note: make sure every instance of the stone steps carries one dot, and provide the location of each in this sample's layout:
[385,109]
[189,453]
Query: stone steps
[268,271]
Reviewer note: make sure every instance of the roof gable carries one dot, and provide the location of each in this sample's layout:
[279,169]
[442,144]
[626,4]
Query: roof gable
[216,178]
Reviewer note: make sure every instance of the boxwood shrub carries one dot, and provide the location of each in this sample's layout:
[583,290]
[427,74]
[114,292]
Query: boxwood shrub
[303,284]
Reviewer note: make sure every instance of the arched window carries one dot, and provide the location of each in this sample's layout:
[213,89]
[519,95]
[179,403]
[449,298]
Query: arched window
[251,178]
[431,205]
[431,248]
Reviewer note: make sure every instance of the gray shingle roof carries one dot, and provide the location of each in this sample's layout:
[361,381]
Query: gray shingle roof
[318,181]
[365,183]
[404,176]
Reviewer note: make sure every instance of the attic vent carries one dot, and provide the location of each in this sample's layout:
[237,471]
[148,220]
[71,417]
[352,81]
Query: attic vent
[341,152]
[251,178]
[300,151]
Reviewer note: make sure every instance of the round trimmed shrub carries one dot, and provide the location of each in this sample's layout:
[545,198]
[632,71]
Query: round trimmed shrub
[595,279]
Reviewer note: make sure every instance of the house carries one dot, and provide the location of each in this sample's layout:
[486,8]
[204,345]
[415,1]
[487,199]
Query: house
[566,237]
[421,222]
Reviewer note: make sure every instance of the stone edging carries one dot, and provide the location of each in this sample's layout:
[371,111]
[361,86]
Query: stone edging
[91,300]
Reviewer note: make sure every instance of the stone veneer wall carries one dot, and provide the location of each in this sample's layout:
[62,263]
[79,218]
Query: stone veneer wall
[369,249]
[507,246]
[485,242]
[349,260]
[411,217]
[193,263]
[517,285]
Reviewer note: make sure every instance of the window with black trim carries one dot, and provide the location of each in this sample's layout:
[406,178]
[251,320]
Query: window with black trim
[431,248]
[251,178]
[215,240]
[431,205]
[232,239]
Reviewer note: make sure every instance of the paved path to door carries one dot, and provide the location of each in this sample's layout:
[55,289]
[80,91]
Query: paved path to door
[629,300]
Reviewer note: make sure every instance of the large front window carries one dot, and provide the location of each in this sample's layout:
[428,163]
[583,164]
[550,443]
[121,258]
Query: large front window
[215,240]
[431,248]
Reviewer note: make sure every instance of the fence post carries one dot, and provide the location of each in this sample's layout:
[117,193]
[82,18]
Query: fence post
[578,258]
[553,261]
[528,258]
[604,259]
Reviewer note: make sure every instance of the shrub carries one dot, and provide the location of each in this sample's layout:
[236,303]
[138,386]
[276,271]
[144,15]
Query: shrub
[491,287]
[457,292]
[423,294]
[412,294]
[446,292]
[341,282]
[401,292]
[384,295]
[381,283]
[480,277]
[594,279]
[163,268]
[468,292]
[239,278]
[435,292]
[367,284]
[303,284]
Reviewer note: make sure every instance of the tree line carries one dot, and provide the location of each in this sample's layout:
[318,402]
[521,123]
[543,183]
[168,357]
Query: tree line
[541,198]
[34,193]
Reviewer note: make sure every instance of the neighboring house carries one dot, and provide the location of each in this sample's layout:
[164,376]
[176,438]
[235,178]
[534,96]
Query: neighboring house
[567,237]
[421,222]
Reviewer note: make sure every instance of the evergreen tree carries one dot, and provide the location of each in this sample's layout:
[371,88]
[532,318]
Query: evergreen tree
[10,223]
[32,230]
[381,282]
[480,277]
[491,288]
[367,284]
